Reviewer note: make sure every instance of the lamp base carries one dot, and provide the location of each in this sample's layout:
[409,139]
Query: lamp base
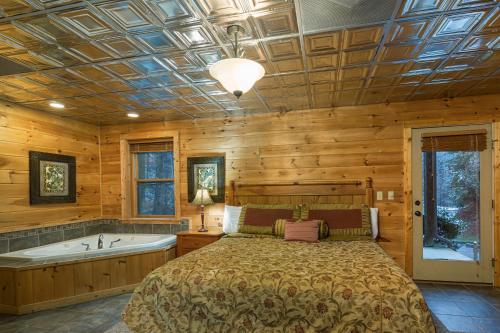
[202,229]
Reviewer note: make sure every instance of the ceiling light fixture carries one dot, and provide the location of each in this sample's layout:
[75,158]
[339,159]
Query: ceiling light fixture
[133,115]
[56,105]
[237,75]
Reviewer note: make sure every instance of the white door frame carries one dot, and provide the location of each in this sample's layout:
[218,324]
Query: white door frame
[446,270]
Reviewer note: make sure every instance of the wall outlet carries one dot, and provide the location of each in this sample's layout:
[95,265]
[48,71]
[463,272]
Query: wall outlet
[390,195]
[380,195]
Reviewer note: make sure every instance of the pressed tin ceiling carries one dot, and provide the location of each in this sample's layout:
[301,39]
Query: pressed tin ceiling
[103,59]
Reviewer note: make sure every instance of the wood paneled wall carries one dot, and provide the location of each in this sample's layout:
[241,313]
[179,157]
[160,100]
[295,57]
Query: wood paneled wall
[339,143]
[22,130]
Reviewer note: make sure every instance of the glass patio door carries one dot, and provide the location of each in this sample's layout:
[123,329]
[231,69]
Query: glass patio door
[452,204]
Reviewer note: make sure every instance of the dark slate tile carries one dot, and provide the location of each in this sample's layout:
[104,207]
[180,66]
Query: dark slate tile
[478,309]
[124,228]
[143,228]
[4,245]
[459,323]
[109,228]
[73,233]
[23,243]
[445,307]
[51,237]
[175,228]
[93,230]
[161,228]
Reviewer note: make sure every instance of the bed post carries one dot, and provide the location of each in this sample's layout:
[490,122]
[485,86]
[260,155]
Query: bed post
[369,191]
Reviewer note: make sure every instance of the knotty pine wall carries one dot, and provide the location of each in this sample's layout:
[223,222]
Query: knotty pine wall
[338,143]
[22,130]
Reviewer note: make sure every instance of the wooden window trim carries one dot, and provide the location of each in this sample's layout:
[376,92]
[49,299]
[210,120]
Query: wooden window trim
[126,169]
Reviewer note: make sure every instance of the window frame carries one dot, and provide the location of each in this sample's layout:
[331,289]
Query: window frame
[129,168]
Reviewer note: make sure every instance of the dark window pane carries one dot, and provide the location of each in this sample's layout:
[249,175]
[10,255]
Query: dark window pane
[156,198]
[155,165]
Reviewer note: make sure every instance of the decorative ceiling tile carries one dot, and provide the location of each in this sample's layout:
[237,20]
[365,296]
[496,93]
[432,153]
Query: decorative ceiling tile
[481,42]
[463,4]
[359,57]
[157,41]
[122,69]
[183,62]
[294,79]
[276,24]
[419,7]
[283,48]
[47,29]
[15,7]
[346,97]
[491,24]
[438,48]
[388,69]
[122,46]
[460,61]
[18,38]
[148,65]
[409,31]
[289,65]
[323,76]
[171,11]
[254,51]
[351,84]
[127,14]
[362,37]
[325,42]
[85,23]
[207,57]
[91,52]
[214,8]
[381,81]
[323,61]
[199,77]
[457,24]
[194,36]
[353,73]
[398,52]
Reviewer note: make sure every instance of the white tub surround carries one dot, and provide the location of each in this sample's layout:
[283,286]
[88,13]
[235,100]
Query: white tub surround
[88,247]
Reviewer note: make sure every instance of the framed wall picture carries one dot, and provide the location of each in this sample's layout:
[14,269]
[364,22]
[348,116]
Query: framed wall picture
[209,173]
[52,178]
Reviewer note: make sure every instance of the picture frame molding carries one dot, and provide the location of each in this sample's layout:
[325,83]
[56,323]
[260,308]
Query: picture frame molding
[34,178]
[220,161]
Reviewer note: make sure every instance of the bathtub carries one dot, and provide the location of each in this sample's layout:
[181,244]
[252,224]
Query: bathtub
[77,248]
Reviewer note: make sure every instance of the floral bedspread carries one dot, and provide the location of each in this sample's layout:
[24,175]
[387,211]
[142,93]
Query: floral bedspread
[271,285]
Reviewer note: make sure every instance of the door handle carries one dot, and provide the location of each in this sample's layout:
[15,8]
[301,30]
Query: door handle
[418,213]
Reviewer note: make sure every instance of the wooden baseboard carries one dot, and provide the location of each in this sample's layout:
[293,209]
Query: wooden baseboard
[29,308]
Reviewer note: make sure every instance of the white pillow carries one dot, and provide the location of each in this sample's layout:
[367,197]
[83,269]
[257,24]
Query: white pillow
[374,220]
[231,219]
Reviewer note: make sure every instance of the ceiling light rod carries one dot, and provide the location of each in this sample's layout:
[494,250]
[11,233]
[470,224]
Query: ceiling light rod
[235,30]
[237,75]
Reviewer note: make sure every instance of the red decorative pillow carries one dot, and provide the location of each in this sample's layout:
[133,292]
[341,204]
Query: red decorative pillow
[306,231]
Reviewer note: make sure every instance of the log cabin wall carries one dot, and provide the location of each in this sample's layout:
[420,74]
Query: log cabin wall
[22,130]
[338,143]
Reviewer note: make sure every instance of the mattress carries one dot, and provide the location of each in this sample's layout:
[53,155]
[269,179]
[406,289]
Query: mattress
[243,284]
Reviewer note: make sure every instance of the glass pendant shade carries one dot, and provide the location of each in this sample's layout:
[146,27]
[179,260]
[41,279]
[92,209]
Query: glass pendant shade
[237,75]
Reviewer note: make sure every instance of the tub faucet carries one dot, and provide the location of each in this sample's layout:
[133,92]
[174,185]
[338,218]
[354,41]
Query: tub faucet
[99,242]
[111,245]
[87,246]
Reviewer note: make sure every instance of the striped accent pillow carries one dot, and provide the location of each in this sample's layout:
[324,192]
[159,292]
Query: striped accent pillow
[279,227]
[306,231]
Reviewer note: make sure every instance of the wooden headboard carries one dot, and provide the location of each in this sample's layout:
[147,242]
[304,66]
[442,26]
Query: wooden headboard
[301,192]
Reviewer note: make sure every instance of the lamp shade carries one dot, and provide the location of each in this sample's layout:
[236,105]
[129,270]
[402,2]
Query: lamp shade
[237,75]
[202,197]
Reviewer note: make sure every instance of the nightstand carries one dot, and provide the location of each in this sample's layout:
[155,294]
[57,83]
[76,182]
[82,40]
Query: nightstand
[191,240]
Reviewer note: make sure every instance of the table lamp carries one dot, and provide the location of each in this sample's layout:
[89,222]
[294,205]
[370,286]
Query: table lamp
[202,198]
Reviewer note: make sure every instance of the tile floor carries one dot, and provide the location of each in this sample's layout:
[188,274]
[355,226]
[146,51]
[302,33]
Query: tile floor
[456,308]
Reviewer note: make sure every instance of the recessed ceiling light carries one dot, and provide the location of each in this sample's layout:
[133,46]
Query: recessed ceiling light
[133,115]
[57,105]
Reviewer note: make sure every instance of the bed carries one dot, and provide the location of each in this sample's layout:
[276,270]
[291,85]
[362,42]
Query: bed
[259,283]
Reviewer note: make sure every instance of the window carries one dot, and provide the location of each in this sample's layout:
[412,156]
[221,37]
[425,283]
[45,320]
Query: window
[150,176]
[153,178]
